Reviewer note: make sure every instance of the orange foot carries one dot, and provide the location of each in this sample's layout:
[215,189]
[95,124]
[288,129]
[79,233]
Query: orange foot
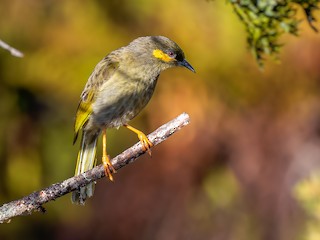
[146,143]
[108,168]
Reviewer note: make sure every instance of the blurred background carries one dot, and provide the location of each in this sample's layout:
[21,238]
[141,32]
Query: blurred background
[247,166]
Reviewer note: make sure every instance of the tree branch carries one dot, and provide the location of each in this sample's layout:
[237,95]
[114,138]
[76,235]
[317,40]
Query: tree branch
[13,51]
[34,201]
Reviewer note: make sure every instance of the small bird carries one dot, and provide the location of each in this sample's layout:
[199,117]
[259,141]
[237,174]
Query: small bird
[120,86]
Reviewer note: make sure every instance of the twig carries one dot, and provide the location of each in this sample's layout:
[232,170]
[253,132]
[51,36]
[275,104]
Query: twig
[13,51]
[35,200]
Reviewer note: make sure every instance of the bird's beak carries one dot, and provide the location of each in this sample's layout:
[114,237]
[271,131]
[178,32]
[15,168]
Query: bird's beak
[185,63]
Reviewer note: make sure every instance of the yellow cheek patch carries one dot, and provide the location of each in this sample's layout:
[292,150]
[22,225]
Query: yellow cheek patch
[161,55]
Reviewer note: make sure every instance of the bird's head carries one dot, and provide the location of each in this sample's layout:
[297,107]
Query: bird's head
[161,51]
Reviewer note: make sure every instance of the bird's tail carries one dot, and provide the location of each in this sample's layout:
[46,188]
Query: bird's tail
[86,161]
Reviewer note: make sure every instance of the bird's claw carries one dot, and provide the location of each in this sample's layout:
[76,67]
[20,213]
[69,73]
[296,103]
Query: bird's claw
[146,143]
[108,168]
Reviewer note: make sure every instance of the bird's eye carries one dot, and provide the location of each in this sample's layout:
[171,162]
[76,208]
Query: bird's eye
[171,54]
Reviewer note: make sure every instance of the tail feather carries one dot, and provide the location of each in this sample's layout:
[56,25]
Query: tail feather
[86,161]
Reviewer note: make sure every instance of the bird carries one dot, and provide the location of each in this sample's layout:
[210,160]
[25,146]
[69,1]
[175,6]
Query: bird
[119,87]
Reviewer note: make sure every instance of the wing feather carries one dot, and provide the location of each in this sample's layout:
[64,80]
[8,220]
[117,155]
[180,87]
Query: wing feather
[102,73]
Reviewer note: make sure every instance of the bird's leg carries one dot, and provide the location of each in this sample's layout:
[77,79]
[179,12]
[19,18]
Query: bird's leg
[146,144]
[105,158]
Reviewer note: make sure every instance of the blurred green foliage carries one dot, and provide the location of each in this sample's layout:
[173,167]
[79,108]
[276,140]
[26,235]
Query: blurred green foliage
[307,192]
[266,20]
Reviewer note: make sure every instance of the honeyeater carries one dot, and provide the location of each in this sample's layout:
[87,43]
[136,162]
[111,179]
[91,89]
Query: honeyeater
[119,87]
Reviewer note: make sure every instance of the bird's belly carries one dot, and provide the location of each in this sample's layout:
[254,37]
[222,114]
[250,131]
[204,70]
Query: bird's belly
[118,108]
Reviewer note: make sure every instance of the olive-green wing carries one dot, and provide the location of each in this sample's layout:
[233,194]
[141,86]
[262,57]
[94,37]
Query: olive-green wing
[102,73]
[83,113]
